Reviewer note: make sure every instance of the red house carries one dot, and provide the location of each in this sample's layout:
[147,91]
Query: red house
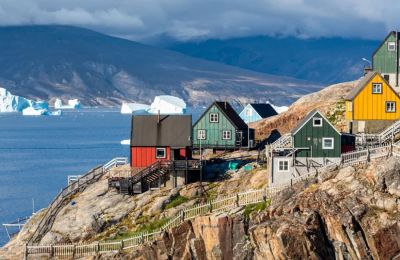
[160,138]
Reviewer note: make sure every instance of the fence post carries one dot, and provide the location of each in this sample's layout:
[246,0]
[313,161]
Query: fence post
[210,206]
[264,195]
[182,215]
[26,252]
[122,244]
[237,200]
[98,248]
[368,155]
[142,238]
[74,251]
[51,250]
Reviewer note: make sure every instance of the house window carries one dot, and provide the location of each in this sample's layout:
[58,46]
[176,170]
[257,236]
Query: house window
[317,121]
[226,135]
[327,143]
[214,117]
[391,46]
[161,153]
[283,165]
[201,134]
[390,106]
[376,88]
[249,112]
[386,77]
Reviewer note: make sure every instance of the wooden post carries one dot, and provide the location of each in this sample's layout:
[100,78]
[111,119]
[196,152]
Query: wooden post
[182,215]
[74,251]
[264,195]
[122,244]
[51,250]
[142,238]
[237,200]
[210,206]
[98,248]
[26,252]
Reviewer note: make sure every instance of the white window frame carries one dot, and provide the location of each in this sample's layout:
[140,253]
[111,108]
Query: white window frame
[164,151]
[201,134]
[283,161]
[375,87]
[228,136]
[214,117]
[392,108]
[391,46]
[317,118]
[324,147]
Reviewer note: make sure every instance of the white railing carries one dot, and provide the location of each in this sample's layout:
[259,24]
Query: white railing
[218,205]
[386,135]
[118,161]
[73,178]
[285,141]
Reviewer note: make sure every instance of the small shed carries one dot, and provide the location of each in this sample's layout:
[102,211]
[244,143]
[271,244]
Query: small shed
[256,111]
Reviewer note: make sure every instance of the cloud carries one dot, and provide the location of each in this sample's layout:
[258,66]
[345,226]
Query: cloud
[201,19]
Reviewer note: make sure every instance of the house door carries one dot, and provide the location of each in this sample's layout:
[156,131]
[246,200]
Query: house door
[175,155]
[239,137]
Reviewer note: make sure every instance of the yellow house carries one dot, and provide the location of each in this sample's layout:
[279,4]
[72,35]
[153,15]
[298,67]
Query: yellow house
[373,99]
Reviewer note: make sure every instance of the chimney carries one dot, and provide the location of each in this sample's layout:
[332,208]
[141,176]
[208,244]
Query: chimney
[225,103]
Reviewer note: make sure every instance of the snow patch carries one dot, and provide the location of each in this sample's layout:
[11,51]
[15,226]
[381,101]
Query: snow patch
[31,111]
[130,108]
[168,105]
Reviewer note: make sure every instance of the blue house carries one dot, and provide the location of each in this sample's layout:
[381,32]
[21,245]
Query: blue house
[255,112]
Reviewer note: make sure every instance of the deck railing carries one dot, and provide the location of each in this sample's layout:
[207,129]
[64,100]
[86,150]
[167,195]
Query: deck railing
[218,205]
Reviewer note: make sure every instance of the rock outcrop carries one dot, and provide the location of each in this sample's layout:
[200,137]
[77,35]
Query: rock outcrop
[354,215]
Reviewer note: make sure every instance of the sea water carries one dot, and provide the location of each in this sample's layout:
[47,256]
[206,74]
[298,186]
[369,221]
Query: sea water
[37,153]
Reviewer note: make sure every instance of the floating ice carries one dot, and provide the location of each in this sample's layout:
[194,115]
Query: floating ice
[12,103]
[168,105]
[72,104]
[31,111]
[129,108]
[126,142]
[55,113]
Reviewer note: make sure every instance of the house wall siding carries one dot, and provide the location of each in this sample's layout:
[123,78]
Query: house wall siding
[146,156]
[368,106]
[311,137]
[214,130]
[249,118]
[384,61]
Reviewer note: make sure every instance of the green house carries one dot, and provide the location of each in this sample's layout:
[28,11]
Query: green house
[316,137]
[220,127]
[385,59]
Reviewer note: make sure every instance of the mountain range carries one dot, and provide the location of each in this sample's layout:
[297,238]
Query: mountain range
[46,62]
[323,60]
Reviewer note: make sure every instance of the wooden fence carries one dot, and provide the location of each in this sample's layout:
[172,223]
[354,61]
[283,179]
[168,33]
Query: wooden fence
[218,205]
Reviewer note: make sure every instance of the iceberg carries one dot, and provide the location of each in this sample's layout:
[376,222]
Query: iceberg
[167,105]
[31,111]
[12,103]
[129,108]
[126,142]
[55,113]
[72,104]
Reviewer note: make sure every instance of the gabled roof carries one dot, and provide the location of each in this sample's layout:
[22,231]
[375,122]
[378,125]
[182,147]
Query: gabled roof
[387,36]
[229,113]
[264,110]
[363,82]
[308,118]
[163,130]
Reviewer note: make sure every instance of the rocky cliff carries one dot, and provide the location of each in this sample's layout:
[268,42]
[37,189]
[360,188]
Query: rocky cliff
[352,214]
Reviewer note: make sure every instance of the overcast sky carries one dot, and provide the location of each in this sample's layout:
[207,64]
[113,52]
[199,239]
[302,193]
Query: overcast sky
[203,19]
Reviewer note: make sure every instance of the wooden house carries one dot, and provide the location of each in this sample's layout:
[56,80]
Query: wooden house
[160,154]
[314,142]
[385,59]
[372,105]
[220,127]
[257,111]
[160,138]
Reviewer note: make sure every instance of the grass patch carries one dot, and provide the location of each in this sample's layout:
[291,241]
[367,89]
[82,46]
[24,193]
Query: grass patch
[256,207]
[149,227]
[178,200]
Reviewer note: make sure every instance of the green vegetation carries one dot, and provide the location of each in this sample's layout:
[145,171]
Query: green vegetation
[149,227]
[335,115]
[212,191]
[178,200]
[256,207]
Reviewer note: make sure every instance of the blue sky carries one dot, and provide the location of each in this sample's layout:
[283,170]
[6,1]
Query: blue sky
[204,19]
